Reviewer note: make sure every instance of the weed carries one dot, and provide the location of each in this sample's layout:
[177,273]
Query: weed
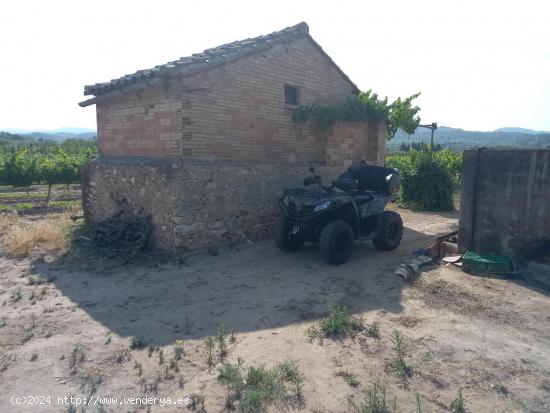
[458,405]
[229,402]
[108,340]
[137,366]
[153,385]
[24,236]
[16,295]
[349,378]
[417,403]
[403,370]
[501,388]
[34,357]
[178,350]
[76,357]
[196,402]
[258,388]
[137,342]
[93,382]
[161,357]
[71,408]
[122,356]
[174,365]
[151,350]
[222,345]
[209,343]
[28,335]
[232,337]
[38,279]
[373,330]
[374,401]
[168,375]
[3,321]
[290,373]
[339,323]
[181,381]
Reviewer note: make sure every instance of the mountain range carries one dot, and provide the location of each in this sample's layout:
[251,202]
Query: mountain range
[447,137]
[459,139]
[58,135]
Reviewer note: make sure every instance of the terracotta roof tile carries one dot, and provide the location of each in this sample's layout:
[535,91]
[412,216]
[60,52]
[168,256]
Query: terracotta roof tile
[201,61]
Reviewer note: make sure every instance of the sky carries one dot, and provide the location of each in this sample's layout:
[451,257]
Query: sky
[480,65]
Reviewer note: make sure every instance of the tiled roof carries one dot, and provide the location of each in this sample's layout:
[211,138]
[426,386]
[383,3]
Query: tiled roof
[208,59]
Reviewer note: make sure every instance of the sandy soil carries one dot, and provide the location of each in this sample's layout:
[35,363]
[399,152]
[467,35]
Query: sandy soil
[71,335]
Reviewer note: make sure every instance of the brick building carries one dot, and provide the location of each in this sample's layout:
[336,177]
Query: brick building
[227,110]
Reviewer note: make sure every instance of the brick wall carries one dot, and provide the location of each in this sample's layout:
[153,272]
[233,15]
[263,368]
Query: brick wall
[233,112]
[144,124]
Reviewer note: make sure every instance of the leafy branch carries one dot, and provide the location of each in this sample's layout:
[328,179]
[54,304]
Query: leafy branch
[365,106]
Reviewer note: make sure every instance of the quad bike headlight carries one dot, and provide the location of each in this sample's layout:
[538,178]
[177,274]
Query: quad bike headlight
[322,206]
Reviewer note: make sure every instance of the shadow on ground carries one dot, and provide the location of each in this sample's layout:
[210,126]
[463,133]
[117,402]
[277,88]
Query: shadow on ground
[247,288]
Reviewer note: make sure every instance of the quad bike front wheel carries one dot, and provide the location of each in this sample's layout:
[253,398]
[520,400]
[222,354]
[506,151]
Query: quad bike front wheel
[391,231]
[336,242]
[284,239]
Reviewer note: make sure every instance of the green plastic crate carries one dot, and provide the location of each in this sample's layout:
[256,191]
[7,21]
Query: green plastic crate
[475,263]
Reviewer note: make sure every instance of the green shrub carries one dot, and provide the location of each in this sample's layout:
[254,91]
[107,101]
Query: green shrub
[427,179]
[428,187]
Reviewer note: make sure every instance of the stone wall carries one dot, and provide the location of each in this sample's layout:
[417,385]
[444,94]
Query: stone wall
[192,204]
[505,199]
[234,112]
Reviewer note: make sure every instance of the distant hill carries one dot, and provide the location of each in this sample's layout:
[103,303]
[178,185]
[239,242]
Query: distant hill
[12,140]
[459,139]
[520,130]
[9,139]
[58,135]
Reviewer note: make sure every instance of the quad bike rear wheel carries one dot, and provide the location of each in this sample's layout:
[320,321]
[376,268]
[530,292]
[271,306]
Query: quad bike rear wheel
[391,231]
[284,239]
[336,242]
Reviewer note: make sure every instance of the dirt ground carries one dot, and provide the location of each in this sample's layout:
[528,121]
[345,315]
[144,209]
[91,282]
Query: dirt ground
[69,333]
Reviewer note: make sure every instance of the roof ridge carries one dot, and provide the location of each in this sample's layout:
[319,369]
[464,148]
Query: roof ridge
[208,59]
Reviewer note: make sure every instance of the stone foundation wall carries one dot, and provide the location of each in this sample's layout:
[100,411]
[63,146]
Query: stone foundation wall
[192,205]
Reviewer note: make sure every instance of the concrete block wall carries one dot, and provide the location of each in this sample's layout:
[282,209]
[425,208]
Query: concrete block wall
[505,199]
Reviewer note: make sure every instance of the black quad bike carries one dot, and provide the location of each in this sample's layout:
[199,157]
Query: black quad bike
[352,208]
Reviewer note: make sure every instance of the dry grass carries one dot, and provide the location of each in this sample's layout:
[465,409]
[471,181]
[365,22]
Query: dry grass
[21,236]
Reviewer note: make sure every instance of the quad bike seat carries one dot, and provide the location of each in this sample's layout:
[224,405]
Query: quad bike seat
[362,198]
[372,178]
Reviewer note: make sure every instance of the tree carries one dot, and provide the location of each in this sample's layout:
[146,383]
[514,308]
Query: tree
[50,171]
[20,169]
